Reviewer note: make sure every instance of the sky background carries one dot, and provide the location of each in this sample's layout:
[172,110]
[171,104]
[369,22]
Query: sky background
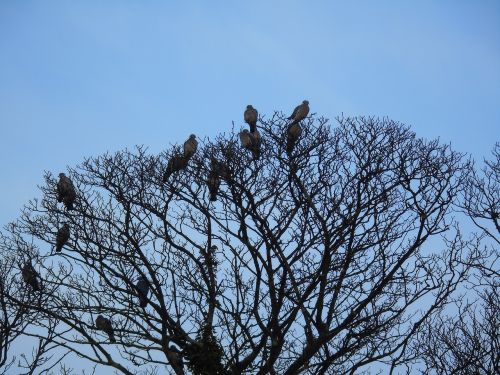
[79,78]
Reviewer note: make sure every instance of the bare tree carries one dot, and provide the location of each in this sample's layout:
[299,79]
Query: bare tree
[466,338]
[324,259]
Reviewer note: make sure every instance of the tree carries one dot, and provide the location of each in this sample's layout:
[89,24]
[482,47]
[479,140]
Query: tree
[15,318]
[467,339]
[325,259]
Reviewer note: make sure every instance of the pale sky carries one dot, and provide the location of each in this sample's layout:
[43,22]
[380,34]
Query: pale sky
[79,78]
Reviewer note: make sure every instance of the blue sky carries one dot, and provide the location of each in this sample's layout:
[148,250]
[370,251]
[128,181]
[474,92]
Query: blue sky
[79,78]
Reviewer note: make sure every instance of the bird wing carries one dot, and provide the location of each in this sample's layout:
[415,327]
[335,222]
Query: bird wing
[294,113]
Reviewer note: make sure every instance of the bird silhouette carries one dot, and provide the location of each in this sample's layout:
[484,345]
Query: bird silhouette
[300,112]
[142,287]
[62,237]
[292,136]
[66,191]
[175,164]
[30,276]
[190,146]
[250,116]
[104,324]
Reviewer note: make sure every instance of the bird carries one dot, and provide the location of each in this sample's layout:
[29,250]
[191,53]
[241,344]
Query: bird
[190,146]
[62,237]
[213,182]
[104,324]
[30,276]
[220,168]
[256,140]
[142,287]
[300,112]
[292,136]
[66,191]
[250,116]
[175,164]
[246,139]
[175,358]
[251,141]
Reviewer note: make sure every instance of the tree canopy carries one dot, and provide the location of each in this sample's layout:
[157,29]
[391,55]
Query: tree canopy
[317,250]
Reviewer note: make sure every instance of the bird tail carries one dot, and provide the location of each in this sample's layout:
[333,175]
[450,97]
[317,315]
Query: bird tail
[143,301]
[290,144]
[256,153]
[112,337]
[253,128]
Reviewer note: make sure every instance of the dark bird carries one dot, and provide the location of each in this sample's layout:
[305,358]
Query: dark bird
[30,276]
[300,112]
[174,356]
[220,168]
[66,191]
[255,137]
[246,139]
[104,324]
[175,164]
[62,237]
[190,146]
[292,136]
[251,141]
[142,287]
[250,116]
[213,182]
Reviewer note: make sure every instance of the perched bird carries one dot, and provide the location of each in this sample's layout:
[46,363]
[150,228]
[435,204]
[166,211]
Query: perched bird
[250,117]
[62,237]
[142,287]
[175,358]
[30,276]
[220,168]
[104,324]
[300,112]
[175,164]
[246,139]
[213,182]
[190,146]
[251,141]
[292,136]
[66,191]
[255,137]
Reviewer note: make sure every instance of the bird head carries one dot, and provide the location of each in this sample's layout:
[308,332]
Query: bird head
[66,226]
[192,136]
[61,175]
[249,107]
[305,102]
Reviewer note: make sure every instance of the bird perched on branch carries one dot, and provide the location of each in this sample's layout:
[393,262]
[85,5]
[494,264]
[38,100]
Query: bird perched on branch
[66,191]
[104,324]
[190,146]
[175,164]
[255,136]
[251,141]
[142,287]
[250,116]
[62,237]
[292,136]
[175,358]
[30,276]
[213,182]
[300,112]
[220,168]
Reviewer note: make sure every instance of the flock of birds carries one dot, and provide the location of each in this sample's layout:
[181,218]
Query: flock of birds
[250,140]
